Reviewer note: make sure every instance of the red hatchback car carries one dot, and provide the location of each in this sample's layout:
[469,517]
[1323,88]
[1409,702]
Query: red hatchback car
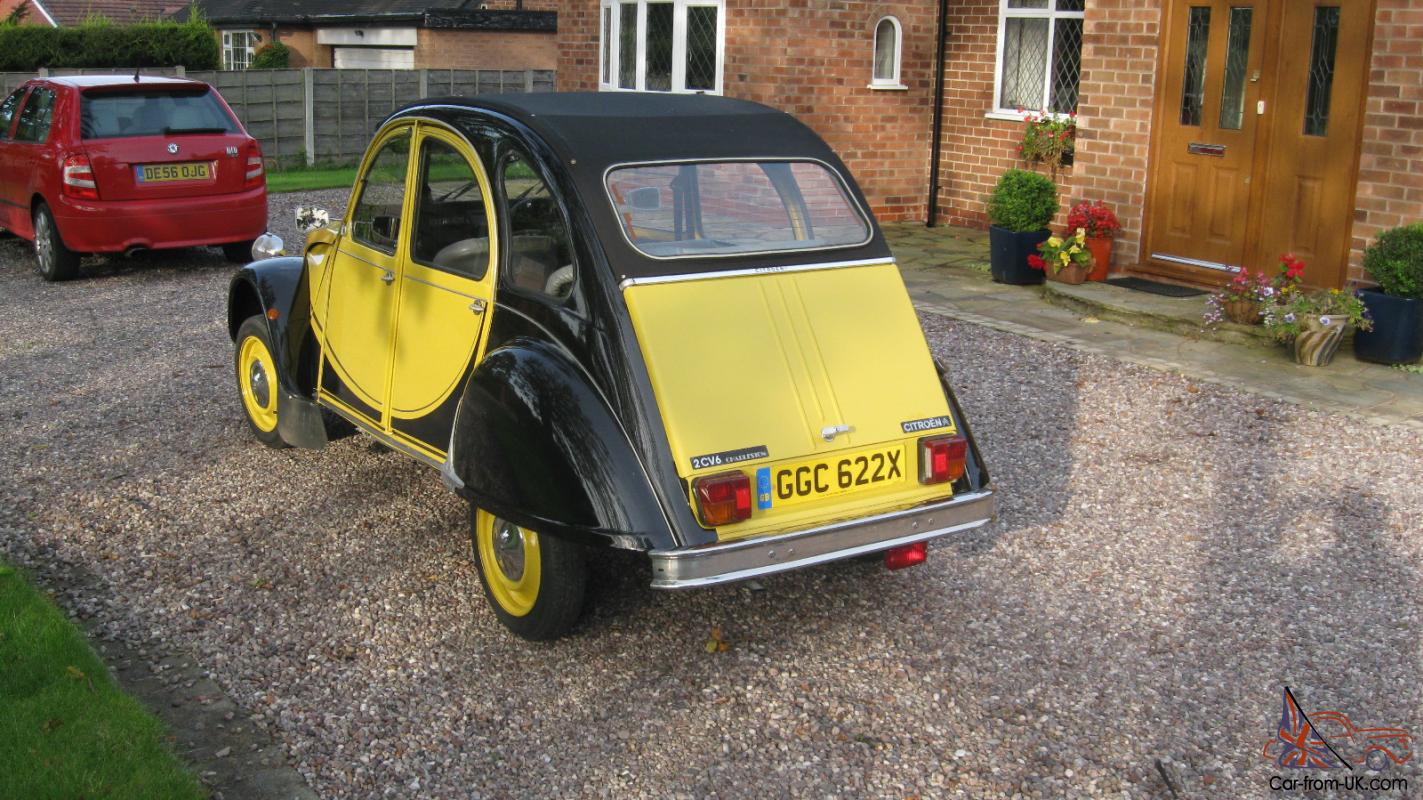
[112,164]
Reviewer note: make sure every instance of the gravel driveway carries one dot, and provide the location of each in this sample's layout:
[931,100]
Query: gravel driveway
[1168,556]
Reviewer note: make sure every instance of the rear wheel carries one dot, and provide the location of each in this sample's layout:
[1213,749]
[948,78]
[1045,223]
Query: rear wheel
[257,380]
[238,252]
[57,262]
[535,584]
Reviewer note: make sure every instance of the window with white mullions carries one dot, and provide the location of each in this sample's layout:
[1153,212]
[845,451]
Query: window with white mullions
[661,45]
[1039,55]
[237,48]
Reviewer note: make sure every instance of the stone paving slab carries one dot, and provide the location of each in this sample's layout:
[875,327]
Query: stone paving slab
[946,271]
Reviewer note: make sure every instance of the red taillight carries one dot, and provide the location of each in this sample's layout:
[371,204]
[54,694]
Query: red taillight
[941,458]
[255,169]
[79,178]
[906,556]
[723,498]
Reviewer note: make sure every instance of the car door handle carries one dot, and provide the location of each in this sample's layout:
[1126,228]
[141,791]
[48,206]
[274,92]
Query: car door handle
[388,277]
[477,306]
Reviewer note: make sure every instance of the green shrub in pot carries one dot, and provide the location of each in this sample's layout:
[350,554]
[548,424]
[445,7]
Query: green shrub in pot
[1395,260]
[1020,208]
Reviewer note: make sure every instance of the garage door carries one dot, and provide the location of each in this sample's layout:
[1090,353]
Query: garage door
[374,57]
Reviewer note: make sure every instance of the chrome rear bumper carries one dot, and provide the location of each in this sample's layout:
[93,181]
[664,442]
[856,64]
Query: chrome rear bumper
[764,555]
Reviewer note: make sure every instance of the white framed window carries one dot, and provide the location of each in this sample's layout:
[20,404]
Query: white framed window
[1039,56]
[889,44]
[238,47]
[661,45]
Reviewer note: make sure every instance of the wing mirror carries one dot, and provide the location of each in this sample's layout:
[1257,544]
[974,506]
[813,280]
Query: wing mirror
[647,198]
[268,245]
[309,219]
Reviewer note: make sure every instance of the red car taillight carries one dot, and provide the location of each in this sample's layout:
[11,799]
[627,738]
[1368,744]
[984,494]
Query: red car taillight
[906,556]
[255,169]
[942,458]
[79,178]
[723,498]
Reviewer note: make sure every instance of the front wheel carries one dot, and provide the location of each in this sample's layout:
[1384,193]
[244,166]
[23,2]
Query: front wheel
[535,584]
[57,262]
[257,380]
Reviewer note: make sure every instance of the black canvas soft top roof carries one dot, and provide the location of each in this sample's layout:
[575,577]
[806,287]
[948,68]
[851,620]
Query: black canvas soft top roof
[593,131]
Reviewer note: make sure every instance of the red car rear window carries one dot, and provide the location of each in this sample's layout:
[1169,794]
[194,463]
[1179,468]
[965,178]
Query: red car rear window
[111,114]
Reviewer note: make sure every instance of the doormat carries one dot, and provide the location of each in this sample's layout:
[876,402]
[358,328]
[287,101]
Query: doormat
[1155,287]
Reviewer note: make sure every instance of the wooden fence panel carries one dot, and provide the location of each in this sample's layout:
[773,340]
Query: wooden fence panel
[345,107]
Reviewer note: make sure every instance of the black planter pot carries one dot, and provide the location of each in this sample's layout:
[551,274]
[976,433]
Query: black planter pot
[1009,251]
[1397,337]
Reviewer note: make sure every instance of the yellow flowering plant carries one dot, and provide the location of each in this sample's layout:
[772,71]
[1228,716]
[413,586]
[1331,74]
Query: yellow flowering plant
[1057,253]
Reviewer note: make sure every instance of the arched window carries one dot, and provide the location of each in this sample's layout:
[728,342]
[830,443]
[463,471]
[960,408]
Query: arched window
[888,36]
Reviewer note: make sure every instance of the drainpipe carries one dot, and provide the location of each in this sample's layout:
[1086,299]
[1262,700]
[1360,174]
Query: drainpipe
[937,135]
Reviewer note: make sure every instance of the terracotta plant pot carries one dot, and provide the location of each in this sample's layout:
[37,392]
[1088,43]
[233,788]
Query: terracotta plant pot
[1317,342]
[1101,247]
[1072,273]
[1242,312]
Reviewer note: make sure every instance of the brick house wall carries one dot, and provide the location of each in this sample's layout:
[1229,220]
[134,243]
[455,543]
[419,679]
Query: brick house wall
[438,48]
[1390,191]
[1119,52]
[813,58]
[305,52]
[976,149]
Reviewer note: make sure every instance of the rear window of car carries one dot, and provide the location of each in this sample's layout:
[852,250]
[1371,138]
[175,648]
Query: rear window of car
[152,112]
[722,208]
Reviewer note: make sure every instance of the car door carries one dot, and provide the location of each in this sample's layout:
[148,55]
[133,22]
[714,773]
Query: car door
[9,193]
[357,323]
[446,288]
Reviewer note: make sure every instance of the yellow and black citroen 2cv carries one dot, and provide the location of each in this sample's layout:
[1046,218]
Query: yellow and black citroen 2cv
[660,323]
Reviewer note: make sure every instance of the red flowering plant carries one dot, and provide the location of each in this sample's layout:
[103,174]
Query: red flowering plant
[1095,218]
[1290,276]
[1047,138]
[1297,310]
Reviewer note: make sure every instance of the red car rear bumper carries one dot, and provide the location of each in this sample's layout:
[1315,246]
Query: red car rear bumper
[98,226]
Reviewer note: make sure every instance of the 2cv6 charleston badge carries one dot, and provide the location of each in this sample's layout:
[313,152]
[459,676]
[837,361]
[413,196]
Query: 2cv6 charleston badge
[665,324]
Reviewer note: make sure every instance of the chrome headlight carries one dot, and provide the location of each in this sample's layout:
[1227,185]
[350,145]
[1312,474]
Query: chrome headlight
[268,245]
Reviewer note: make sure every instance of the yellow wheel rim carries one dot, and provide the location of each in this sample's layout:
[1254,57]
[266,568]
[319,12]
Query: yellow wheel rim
[509,559]
[257,376]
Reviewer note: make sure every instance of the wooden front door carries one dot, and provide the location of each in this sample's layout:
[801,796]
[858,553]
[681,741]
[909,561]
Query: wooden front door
[1256,139]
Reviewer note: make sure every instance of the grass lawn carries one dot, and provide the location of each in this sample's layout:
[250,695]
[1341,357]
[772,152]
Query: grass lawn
[307,179]
[66,731]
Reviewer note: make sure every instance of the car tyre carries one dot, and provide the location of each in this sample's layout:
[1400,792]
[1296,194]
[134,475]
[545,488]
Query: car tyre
[535,583]
[56,262]
[257,380]
[238,252]
[1376,760]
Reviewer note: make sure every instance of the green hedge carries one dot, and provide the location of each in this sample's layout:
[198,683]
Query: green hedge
[26,48]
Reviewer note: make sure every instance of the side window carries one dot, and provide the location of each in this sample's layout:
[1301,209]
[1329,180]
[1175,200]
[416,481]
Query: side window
[376,221]
[35,117]
[540,247]
[7,111]
[451,223]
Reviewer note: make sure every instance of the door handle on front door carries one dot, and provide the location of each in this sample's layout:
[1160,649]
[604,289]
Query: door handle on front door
[477,306]
[388,278]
